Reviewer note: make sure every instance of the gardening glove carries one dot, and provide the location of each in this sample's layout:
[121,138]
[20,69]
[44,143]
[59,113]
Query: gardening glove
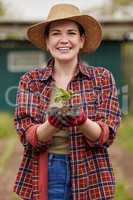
[73,117]
[54,117]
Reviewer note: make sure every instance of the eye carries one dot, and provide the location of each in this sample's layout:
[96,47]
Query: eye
[55,33]
[72,33]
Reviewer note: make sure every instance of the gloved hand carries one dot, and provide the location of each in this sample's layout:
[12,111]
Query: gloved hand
[66,117]
[54,117]
[73,117]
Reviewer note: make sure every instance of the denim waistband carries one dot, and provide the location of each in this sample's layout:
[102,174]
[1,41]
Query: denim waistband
[59,156]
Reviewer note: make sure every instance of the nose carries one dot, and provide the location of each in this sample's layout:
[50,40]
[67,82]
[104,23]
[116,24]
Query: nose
[64,39]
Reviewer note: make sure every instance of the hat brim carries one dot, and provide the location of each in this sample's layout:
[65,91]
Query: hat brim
[93,32]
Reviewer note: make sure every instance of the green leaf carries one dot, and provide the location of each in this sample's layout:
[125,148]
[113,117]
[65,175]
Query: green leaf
[62,96]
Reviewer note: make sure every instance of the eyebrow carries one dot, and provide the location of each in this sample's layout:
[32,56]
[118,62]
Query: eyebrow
[52,29]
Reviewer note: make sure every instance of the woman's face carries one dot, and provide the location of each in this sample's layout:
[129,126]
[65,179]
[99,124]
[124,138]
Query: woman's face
[64,40]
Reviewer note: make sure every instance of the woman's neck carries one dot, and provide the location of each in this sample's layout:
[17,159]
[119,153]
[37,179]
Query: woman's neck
[65,69]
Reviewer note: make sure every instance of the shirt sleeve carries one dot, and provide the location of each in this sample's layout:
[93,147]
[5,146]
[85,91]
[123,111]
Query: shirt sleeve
[27,114]
[108,114]
[32,135]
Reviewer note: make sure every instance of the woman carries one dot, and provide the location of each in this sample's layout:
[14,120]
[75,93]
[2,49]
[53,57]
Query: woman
[65,155]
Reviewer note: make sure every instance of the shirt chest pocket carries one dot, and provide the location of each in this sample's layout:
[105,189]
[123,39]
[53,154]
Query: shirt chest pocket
[45,94]
[87,100]
[90,101]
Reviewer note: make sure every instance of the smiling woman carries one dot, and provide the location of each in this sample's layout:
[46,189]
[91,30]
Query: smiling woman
[65,153]
[64,42]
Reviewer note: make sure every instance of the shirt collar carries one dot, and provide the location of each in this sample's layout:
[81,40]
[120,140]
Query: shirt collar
[48,70]
[82,67]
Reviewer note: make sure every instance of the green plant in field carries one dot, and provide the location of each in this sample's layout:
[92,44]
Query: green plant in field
[121,192]
[6,125]
[7,153]
[15,197]
[125,133]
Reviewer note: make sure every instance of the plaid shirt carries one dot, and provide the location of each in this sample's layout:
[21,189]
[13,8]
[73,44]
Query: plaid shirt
[91,171]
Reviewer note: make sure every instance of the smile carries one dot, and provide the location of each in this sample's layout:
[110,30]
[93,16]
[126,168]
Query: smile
[64,49]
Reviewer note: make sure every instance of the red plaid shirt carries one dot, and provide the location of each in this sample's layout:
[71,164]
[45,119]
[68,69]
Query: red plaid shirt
[91,171]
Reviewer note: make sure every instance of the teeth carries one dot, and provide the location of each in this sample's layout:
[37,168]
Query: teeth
[63,49]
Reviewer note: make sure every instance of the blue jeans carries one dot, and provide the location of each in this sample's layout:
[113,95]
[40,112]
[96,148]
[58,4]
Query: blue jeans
[59,187]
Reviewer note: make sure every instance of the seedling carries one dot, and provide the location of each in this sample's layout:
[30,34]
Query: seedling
[62,96]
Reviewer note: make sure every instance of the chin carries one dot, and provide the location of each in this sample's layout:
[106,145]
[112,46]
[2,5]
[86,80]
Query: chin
[65,58]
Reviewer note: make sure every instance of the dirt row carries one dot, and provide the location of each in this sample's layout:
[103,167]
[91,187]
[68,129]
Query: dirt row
[122,161]
[7,174]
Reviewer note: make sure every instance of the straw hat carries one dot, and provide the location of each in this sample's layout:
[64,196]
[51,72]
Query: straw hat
[92,28]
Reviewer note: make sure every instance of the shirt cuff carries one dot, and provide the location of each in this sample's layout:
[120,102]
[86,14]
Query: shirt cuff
[31,135]
[103,136]
[105,132]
